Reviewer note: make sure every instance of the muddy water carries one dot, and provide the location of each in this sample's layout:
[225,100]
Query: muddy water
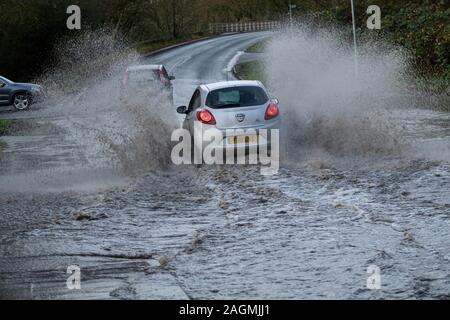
[196,232]
[227,232]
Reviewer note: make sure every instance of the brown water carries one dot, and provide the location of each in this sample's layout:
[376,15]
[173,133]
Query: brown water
[362,182]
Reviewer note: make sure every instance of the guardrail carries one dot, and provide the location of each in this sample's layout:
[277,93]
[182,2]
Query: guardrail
[244,26]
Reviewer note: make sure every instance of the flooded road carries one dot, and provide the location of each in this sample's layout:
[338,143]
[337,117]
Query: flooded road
[219,232]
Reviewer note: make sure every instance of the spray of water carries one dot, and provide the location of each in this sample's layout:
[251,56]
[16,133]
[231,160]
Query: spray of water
[117,135]
[328,107]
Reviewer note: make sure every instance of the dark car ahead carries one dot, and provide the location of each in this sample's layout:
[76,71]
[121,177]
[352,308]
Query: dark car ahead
[19,95]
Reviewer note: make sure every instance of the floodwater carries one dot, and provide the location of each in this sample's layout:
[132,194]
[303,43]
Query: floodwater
[94,187]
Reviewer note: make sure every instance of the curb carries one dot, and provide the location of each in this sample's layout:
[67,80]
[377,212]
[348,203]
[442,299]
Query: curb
[236,74]
[182,44]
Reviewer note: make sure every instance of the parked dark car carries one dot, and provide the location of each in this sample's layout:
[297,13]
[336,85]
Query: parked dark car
[19,95]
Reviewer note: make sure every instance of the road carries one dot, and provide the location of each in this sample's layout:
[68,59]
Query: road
[204,62]
[188,232]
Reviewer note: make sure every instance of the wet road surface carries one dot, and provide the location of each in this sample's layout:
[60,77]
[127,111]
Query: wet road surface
[221,232]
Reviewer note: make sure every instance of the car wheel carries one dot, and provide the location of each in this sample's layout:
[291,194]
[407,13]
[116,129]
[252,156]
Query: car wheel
[22,101]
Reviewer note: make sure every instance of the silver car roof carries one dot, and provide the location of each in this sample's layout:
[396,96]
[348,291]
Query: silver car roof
[229,84]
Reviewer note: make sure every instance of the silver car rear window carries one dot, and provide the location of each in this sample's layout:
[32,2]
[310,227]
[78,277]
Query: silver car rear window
[236,97]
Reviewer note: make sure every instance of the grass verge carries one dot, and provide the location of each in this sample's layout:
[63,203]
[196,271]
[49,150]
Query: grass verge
[253,70]
[258,47]
[4,126]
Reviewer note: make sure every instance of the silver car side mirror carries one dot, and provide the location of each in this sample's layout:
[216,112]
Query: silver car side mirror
[182,110]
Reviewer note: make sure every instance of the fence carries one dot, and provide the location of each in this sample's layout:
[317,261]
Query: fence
[244,26]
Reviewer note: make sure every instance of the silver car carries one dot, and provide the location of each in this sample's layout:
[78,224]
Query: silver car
[235,108]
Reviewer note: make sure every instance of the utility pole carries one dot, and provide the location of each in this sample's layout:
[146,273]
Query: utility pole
[291,25]
[355,46]
[290,14]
